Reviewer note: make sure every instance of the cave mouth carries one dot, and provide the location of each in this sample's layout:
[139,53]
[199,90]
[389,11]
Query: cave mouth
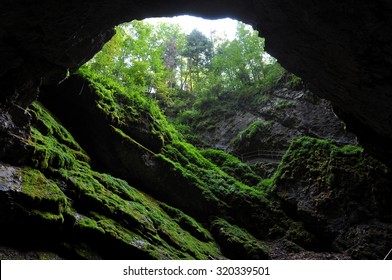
[194,67]
[82,50]
[218,87]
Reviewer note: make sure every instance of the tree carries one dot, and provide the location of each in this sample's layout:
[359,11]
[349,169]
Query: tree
[239,63]
[134,58]
[173,40]
[198,51]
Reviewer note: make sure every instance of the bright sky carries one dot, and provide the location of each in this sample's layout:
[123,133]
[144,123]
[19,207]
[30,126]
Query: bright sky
[226,26]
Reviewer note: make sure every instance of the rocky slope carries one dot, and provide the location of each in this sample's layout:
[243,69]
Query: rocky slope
[268,121]
[187,207]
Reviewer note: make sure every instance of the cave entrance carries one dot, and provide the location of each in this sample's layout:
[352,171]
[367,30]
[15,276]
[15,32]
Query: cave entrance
[200,72]
[217,85]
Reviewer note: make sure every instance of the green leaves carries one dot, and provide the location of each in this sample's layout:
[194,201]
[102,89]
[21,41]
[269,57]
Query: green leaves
[133,58]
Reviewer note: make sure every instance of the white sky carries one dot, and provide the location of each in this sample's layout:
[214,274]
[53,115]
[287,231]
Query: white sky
[226,26]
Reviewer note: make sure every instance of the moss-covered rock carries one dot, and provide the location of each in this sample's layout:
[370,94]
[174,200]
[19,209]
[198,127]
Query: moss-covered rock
[237,243]
[53,145]
[233,166]
[28,197]
[87,207]
[334,189]
[189,189]
[178,174]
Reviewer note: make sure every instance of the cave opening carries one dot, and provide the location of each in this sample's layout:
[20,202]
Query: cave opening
[229,99]
[218,87]
[199,192]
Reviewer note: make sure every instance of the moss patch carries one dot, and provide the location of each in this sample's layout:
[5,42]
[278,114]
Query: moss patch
[232,166]
[53,145]
[237,243]
[42,192]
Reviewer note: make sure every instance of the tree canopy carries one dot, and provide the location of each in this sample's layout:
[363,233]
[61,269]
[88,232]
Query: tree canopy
[163,63]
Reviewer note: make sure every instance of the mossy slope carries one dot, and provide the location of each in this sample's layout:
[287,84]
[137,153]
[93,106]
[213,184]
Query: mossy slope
[85,206]
[143,149]
[178,172]
[167,168]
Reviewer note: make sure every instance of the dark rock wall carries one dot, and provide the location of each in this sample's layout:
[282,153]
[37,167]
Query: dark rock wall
[340,193]
[285,114]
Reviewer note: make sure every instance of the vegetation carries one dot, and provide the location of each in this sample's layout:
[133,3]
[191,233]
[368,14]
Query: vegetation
[321,159]
[232,166]
[99,205]
[113,210]
[194,79]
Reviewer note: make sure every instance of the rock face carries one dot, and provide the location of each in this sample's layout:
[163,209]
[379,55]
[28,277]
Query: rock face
[67,207]
[337,196]
[341,49]
[287,114]
[317,181]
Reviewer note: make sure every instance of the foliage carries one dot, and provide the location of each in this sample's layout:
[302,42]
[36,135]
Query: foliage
[198,52]
[126,87]
[133,58]
[54,146]
[182,167]
[186,72]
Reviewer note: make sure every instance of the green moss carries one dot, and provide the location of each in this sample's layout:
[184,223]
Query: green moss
[127,138]
[282,104]
[47,217]
[254,128]
[42,191]
[293,81]
[125,106]
[300,236]
[237,243]
[221,194]
[190,163]
[179,167]
[111,209]
[53,145]
[318,157]
[102,206]
[187,223]
[126,214]
[232,166]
